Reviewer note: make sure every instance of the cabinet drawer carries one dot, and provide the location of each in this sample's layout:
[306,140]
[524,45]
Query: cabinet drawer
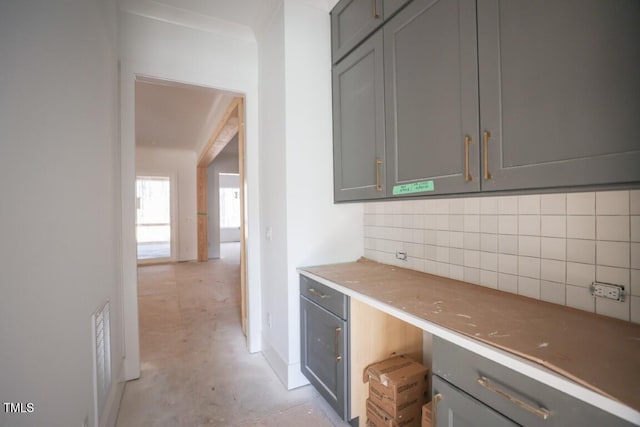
[491,383]
[324,296]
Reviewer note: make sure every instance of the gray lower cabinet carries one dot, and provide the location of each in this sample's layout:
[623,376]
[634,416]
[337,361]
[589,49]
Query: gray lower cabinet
[358,123]
[469,389]
[431,98]
[559,92]
[324,342]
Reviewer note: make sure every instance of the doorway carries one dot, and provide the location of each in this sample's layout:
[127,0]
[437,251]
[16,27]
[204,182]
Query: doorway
[153,219]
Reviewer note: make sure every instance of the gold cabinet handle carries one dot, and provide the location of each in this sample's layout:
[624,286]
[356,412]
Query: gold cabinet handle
[434,413]
[540,412]
[376,15]
[318,294]
[338,357]
[467,142]
[486,135]
[378,185]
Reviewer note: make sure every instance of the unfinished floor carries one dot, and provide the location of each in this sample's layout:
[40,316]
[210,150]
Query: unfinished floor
[195,367]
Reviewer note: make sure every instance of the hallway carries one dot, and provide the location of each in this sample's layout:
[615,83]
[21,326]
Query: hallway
[195,368]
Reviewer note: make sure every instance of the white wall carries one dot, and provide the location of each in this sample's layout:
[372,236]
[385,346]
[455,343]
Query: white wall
[166,51]
[59,220]
[180,165]
[225,162]
[297,174]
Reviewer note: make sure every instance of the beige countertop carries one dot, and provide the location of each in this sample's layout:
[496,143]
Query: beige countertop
[600,353]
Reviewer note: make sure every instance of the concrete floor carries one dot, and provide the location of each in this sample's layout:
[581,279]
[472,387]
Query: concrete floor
[195,369]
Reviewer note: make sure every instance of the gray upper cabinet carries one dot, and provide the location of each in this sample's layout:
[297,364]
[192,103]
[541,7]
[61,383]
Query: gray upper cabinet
[358,123]
[353,20]
[431,98]
[559,92]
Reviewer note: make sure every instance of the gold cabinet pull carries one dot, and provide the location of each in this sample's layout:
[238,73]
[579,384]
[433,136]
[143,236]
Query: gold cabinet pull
[338,357]
[467,142]
[540,412]
[486,135]
[318,294]
[378,185]
[434,413]
[376,15]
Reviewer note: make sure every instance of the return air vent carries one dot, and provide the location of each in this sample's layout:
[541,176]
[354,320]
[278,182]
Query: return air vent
[100,321]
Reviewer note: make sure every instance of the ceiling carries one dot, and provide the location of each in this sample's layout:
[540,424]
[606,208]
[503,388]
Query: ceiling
[175,115]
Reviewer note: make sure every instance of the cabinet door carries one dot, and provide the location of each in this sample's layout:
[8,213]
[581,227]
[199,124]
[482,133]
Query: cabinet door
[323,358]
[351,22]
[455,408]
[358,123]
[390,7]
[559,92]
[431,93]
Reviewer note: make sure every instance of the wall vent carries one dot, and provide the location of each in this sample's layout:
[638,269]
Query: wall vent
[100,324]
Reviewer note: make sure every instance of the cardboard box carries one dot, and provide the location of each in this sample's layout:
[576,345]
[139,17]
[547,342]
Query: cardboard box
[376,417]
[426,415]
[398,385]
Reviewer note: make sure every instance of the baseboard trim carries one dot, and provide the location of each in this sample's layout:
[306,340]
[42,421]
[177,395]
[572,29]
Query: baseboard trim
[289,374]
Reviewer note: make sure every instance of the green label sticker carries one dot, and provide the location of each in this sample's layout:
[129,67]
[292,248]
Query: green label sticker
[414,187]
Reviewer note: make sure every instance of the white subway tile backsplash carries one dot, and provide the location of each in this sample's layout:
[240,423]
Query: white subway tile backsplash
[529,287]
[553,204]
[581,227]
[472,275]
[489,206]
[489,242]
[635,228]
[529,205]
[579,250]
[635,309]
[471,206]
[529,225]
[549,246]
[553,292]
[456,239]
[612,203]
[529,246]
[456,256]
[634,202]
[507,244]
[472,259]
[554,248]
[635,282]
[472,223]
[612,254]
[615,228]
[579,297]
[615,275]
[580,274]
[442,238]
[456,222]
[581,204]
[619,310]
[553,270]
[508,205]
[508,224]
[489,261]
[528,267]
[635,255]
[489,223]
[456,206]
[508,283]
[508,264]
[489,279]
[472,241]
[553,226]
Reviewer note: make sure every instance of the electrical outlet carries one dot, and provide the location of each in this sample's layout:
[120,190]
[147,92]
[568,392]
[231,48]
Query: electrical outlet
[607,290]
[269,320]
[86,421]
[402,256]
